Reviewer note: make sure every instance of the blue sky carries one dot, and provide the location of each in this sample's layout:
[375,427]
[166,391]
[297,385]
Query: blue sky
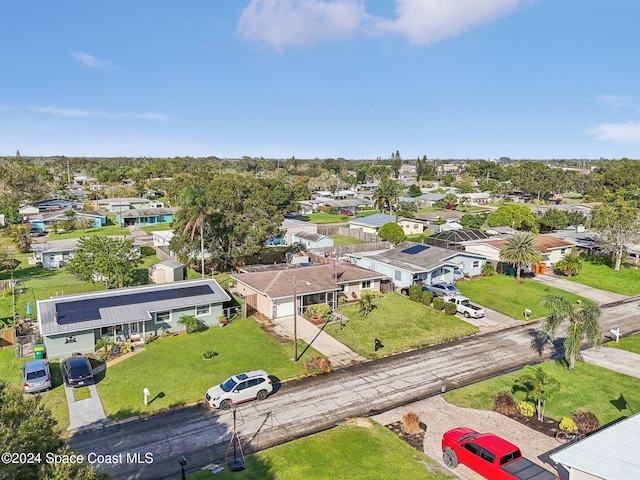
[357,79]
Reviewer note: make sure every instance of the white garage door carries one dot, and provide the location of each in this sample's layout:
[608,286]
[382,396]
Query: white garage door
[284,309]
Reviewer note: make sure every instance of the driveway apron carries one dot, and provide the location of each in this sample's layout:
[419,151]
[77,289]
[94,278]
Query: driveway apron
[85,414]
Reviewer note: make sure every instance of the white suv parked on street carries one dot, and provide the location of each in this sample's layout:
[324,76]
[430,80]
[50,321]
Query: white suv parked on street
[240,388]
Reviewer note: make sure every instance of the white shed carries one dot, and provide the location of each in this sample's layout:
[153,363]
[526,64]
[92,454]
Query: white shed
[167,271]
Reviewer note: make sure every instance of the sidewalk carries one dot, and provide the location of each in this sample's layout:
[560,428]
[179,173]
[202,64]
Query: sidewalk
[338,354]
[601,296]
[614,359]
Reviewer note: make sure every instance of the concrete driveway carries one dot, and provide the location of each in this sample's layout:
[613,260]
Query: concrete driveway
[601,296]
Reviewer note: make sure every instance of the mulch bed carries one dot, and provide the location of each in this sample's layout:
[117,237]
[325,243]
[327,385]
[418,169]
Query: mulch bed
[416,441]
[548,426]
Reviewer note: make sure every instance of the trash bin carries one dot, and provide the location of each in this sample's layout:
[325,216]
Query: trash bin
[38,351]
[512,271]
[541,268]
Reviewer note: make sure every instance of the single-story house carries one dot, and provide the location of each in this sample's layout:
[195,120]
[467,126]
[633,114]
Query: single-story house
[122,203]
[351,204]
[552,249]
[411,226]
[312,240]
[57,253]
[145,216]
[49,205]
[474,198]
[608,454]
[73,323]
[161,238]
[412,263]
[372,223]
[43,221]
[274,289]
[429,199]
[290,227]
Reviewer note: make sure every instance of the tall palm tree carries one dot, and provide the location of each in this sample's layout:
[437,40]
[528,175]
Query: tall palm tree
[520,248]
[387,193]
[584,323]
[195,211]
[450,199]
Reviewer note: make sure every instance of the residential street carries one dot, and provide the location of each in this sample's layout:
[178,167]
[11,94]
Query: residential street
[306,406]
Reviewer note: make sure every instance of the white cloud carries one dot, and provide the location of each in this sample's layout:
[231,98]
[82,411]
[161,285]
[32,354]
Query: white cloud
[427,21]
[283,23]
[617,132]
[93,62]
[84,113]
[617,101]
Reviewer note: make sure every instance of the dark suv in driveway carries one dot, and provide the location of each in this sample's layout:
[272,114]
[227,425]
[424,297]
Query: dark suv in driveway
[76,371]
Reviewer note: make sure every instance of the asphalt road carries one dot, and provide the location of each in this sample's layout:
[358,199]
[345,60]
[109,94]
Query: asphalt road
[150,448]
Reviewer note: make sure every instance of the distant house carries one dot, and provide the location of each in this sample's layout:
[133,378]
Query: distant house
[371,223]
[120,204]
[73,323]
[50,205]
[290,227]
[42,221]
[145,217]
[312,240]
[57,253]
[552,249]
[412,263]
[272,290]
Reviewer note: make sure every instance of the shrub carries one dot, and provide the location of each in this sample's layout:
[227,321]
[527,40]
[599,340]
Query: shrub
[504,403]
[438,303]
[526,409]
[586,422]
[415,293]
[426,298]
[190,323]
[568,425]
[488,270]
[317,365]
[209,354]
[318,310]
[410,423]
[449,308]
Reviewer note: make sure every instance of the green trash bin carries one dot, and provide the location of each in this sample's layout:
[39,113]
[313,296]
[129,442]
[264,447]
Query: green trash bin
[38,351]
[512,271]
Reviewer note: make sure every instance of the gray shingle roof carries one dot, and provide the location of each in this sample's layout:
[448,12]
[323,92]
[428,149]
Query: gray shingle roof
[123,305]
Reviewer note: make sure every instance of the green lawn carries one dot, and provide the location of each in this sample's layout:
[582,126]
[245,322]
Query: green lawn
[156,228]
[626,281]
[631,344]
[502,293]
[357,450]
[89,232]
[339,240]
[173,370]
[588,387]
[54,399]
[399,323]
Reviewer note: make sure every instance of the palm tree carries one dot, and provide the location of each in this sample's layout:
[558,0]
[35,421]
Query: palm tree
[450,199]
[519,249]
[190,323]
[570,265]
[195,211]
[584,323]
[386,193]
[540,387]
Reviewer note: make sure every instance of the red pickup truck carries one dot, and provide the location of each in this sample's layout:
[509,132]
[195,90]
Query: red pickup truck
[489,455]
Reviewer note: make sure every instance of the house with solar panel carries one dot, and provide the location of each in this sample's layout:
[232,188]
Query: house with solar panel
[72,324]
[411,263]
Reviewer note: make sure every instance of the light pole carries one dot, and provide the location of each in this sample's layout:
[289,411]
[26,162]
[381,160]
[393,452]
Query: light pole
[13,296]
[295,318]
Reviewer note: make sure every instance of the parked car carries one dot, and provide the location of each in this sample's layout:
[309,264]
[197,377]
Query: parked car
[240,388]
[36,376]
[465,307]
[76,371]
[443,290]
[344,211]
[489,455]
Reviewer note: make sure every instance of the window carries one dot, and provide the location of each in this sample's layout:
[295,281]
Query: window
[163,317]
[397,275]
[203,310]
[475,264]
[473,448]
[488,456]
[365,284]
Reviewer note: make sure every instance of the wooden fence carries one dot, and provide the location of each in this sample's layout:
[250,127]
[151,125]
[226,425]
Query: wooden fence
[7,338]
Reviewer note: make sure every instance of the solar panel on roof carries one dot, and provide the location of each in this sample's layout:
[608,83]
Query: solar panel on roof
[89,309]
[415,249]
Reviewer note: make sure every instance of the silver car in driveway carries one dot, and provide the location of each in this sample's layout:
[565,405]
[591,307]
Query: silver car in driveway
[443,290]
[36,376]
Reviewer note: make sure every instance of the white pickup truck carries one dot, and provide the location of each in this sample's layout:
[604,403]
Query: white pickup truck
[465,307]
